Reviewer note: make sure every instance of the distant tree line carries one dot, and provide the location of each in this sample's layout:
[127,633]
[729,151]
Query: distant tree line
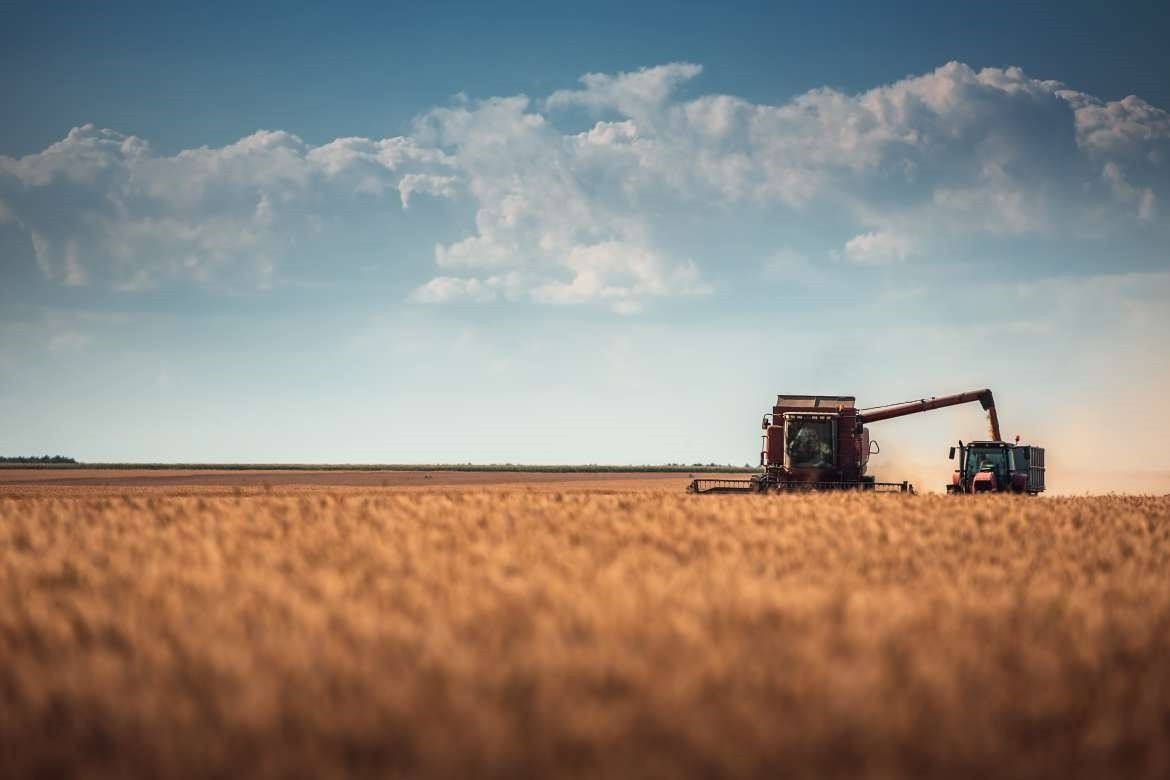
[592,468]
[707,466]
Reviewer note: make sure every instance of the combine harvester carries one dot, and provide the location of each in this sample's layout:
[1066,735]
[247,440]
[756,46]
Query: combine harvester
[820,442]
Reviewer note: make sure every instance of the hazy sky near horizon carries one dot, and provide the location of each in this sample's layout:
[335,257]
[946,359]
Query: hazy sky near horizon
[522,233]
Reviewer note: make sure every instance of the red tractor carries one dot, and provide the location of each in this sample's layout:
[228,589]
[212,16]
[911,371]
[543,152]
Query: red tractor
[998,467]
[820,442]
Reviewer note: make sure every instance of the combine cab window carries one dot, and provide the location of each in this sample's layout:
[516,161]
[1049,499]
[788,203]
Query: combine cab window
[809,444]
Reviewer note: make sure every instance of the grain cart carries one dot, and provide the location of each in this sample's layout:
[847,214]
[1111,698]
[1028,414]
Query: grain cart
[998,467]
[820,442]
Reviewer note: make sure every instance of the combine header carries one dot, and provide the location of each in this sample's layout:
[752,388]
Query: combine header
[820,442]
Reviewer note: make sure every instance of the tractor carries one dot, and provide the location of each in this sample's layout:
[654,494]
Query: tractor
[997,467]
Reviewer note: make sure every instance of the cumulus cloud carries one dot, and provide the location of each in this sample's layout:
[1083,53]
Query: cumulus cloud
[445,289]
[950,153]
[877,247]
[1129,127]
[622,275]
[1143,199]
[640,94]
[555,211]
[572,217]
[100,206]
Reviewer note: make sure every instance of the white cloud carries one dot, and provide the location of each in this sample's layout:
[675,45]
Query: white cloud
[439,186]
[621,275]
[1130,127]
[554,213]
[638,94]
[446,289]
[1143,198]
[102,207]
[878,247]
[903,170]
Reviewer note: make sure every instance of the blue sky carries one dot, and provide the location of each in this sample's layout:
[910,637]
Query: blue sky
[610,233]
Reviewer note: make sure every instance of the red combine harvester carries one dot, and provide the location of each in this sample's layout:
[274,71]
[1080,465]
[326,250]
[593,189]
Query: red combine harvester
[820,442]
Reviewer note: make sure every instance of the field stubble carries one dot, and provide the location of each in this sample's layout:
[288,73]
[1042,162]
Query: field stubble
[450,633]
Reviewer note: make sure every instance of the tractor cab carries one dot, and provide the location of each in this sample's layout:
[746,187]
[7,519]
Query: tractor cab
[987,466]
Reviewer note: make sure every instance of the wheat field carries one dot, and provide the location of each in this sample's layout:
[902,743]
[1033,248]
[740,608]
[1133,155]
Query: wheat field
[513,633]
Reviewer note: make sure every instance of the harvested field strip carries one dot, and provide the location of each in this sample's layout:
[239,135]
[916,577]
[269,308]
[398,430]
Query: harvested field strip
[502,468]
[653,634]
[339,479]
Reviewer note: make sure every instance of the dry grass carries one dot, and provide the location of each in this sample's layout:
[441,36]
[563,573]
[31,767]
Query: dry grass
[456,633]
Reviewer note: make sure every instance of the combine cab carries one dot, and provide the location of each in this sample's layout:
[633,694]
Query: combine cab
[820,442]
[998,467]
